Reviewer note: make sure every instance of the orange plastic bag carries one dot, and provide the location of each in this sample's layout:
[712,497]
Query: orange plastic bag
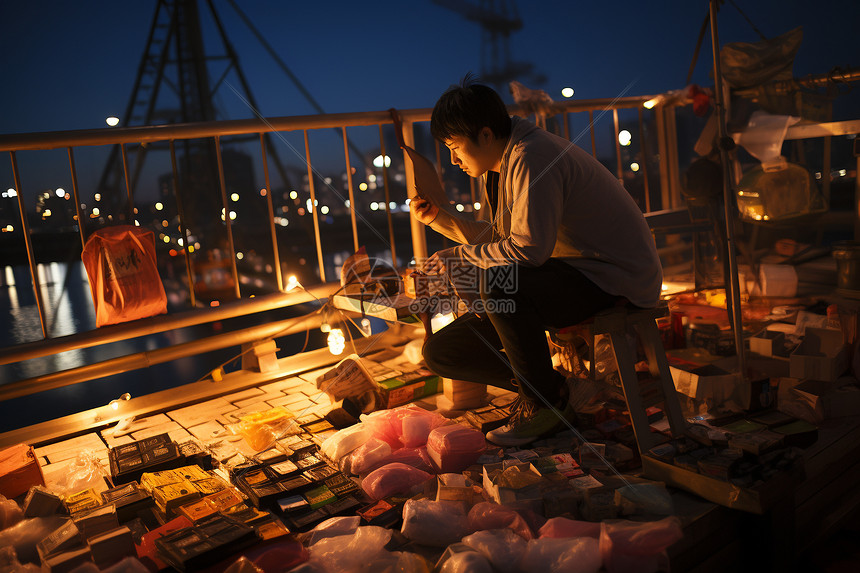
[120,264]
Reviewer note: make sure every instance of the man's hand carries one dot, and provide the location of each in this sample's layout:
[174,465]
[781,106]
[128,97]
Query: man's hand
[423,210]
[438,262]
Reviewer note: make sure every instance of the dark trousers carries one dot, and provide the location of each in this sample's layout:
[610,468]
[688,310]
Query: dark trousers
[553,295]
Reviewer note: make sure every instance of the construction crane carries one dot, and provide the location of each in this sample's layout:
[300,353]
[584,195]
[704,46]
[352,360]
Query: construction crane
[498,20]
[175,60]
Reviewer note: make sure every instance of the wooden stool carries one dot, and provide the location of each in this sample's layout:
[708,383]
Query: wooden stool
[617,324]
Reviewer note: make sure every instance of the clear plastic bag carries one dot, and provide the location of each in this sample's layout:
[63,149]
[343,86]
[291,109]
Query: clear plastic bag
[345,441]
[407,426]
[434,523]
[502,547]
[24,535]
[455,447]
[9,562]
[464,562]
[488,515]
[281,557]
[367,457]
[416,425]
[350,553]
[637,547]
[392,478]
[333,527]
[560,527]
[415,457]
[84,472]
[575,555]
[243,565]
[384,425]
[10,513]
[262,430]
[127,565]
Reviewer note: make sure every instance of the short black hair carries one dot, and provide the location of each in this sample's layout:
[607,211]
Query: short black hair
[465,109]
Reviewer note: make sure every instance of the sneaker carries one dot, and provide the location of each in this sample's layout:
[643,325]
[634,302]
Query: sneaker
[529,423]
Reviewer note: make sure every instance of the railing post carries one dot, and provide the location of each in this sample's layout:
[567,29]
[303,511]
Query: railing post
[279,275]
[619,169]
[419,236]
[185,234]
[663,153]
[387,199]
[230,246]
[645,159]
[128,183]
[31,259]
[313,209]
[350,193]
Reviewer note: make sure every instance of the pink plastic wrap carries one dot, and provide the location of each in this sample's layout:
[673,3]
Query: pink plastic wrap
[416,425]
[488,515]
[634,547]
[384,425]
[415,457]
[392,478]
[407,426]
[367,457]
[455,447]
[559,527]
[377,453]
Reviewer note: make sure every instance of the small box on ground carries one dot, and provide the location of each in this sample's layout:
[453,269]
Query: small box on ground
[821,356]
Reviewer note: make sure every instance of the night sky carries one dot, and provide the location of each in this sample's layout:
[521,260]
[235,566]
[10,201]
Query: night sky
[68,65]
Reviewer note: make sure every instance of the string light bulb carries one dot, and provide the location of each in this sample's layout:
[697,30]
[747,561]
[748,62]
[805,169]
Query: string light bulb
[292,283]
[336,341]
[115,403]
[365,326]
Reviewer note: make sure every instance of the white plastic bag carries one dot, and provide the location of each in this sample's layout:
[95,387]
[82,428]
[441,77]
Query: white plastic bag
[344,441]
[502,547]
[434,523]
[466,562]
[333,527]
[571,555]
[350,553]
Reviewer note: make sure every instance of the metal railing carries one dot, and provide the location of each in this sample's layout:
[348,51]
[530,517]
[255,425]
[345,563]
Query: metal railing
[74,140]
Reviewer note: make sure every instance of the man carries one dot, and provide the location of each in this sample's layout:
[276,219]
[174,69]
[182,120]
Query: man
[557,240]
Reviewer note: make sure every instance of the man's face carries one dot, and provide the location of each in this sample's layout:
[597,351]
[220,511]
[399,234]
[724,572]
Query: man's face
[474,159]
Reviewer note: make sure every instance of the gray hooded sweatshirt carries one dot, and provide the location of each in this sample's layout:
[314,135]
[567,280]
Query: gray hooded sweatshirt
[556,200]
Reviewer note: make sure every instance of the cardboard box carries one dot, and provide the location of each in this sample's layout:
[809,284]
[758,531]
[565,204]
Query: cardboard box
[821,356]
[19,471]
[752,500]
[716,382]
[462,395]
[769,343]
[504,495]
[395,392]
[830,399]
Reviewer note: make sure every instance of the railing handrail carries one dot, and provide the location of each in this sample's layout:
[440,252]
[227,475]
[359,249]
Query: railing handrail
[215,129]
[178,131]
[161,323]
